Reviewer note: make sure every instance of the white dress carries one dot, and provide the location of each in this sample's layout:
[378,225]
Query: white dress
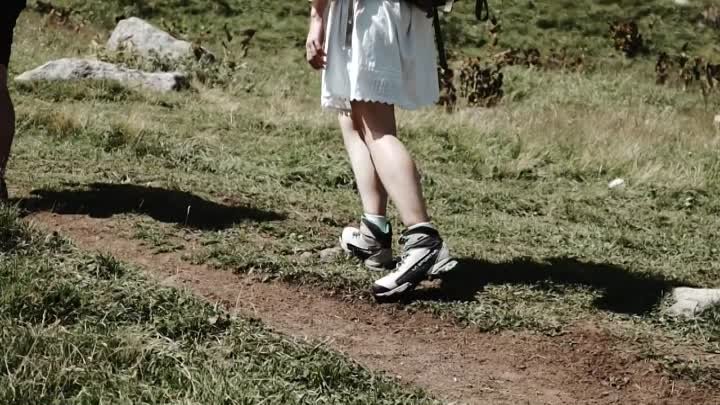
[388,57]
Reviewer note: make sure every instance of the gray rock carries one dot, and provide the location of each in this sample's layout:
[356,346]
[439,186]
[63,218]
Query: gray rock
[690,302]
[306,257]
[147,40]
[89,69]
[330,254]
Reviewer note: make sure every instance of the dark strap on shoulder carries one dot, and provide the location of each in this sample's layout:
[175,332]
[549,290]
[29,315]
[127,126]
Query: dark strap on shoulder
[482,10]
[439,42]
[482,13]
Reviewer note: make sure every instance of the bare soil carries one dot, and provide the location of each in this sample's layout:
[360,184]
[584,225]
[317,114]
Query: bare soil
[458,364]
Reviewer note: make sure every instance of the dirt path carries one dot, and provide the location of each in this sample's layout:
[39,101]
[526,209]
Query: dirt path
[585,366]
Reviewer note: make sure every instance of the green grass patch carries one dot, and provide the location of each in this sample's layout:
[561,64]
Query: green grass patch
[250,169]
[88,329]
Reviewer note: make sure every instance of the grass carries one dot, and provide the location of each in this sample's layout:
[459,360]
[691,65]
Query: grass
[520,190]
[576,25]
[80,329]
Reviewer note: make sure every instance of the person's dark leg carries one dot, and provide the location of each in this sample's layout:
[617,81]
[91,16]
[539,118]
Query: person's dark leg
[7,112]
[7,129]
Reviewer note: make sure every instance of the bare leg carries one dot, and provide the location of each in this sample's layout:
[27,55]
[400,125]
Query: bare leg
[391,159]
[372,193]
[7,126]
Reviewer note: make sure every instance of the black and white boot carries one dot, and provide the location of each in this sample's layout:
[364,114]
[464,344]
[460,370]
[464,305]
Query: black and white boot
[424,255]
[370,244]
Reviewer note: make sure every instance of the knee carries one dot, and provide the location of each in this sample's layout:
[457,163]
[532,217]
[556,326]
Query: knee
[349,128]
[3,77]
[353,127]
[4,92]
[362,131]
[370,136]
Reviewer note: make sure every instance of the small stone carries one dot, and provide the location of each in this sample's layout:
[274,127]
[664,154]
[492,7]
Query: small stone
[330,254]
[89,69]
[716,121]
[306,257]
[690,302]
[617,184]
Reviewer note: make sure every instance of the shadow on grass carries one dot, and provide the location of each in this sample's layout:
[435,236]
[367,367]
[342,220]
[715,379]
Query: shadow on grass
[623,291]
[103,200]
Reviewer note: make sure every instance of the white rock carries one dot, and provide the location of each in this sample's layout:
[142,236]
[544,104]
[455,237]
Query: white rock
[89,69]
[618,184]
[681,2]
[716,121]
[147,40]
[330,254]
[690,302]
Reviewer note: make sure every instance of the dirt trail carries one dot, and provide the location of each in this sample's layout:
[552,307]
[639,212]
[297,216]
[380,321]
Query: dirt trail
[584,366]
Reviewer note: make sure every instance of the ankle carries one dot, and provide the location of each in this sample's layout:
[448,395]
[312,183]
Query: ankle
[380,221]
[426,224]
[426,228]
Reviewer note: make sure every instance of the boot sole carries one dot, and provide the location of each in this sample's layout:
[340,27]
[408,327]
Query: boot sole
[437,270]
[397,290]
[442,267]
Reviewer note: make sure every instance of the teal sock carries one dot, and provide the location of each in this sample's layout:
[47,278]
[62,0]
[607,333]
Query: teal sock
[380,221]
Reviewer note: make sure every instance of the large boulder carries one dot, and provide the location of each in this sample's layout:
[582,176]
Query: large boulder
[89,69]
[689,302]
[147,40]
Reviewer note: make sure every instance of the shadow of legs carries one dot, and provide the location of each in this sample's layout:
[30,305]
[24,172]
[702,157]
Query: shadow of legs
[623,291]
[102,200]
